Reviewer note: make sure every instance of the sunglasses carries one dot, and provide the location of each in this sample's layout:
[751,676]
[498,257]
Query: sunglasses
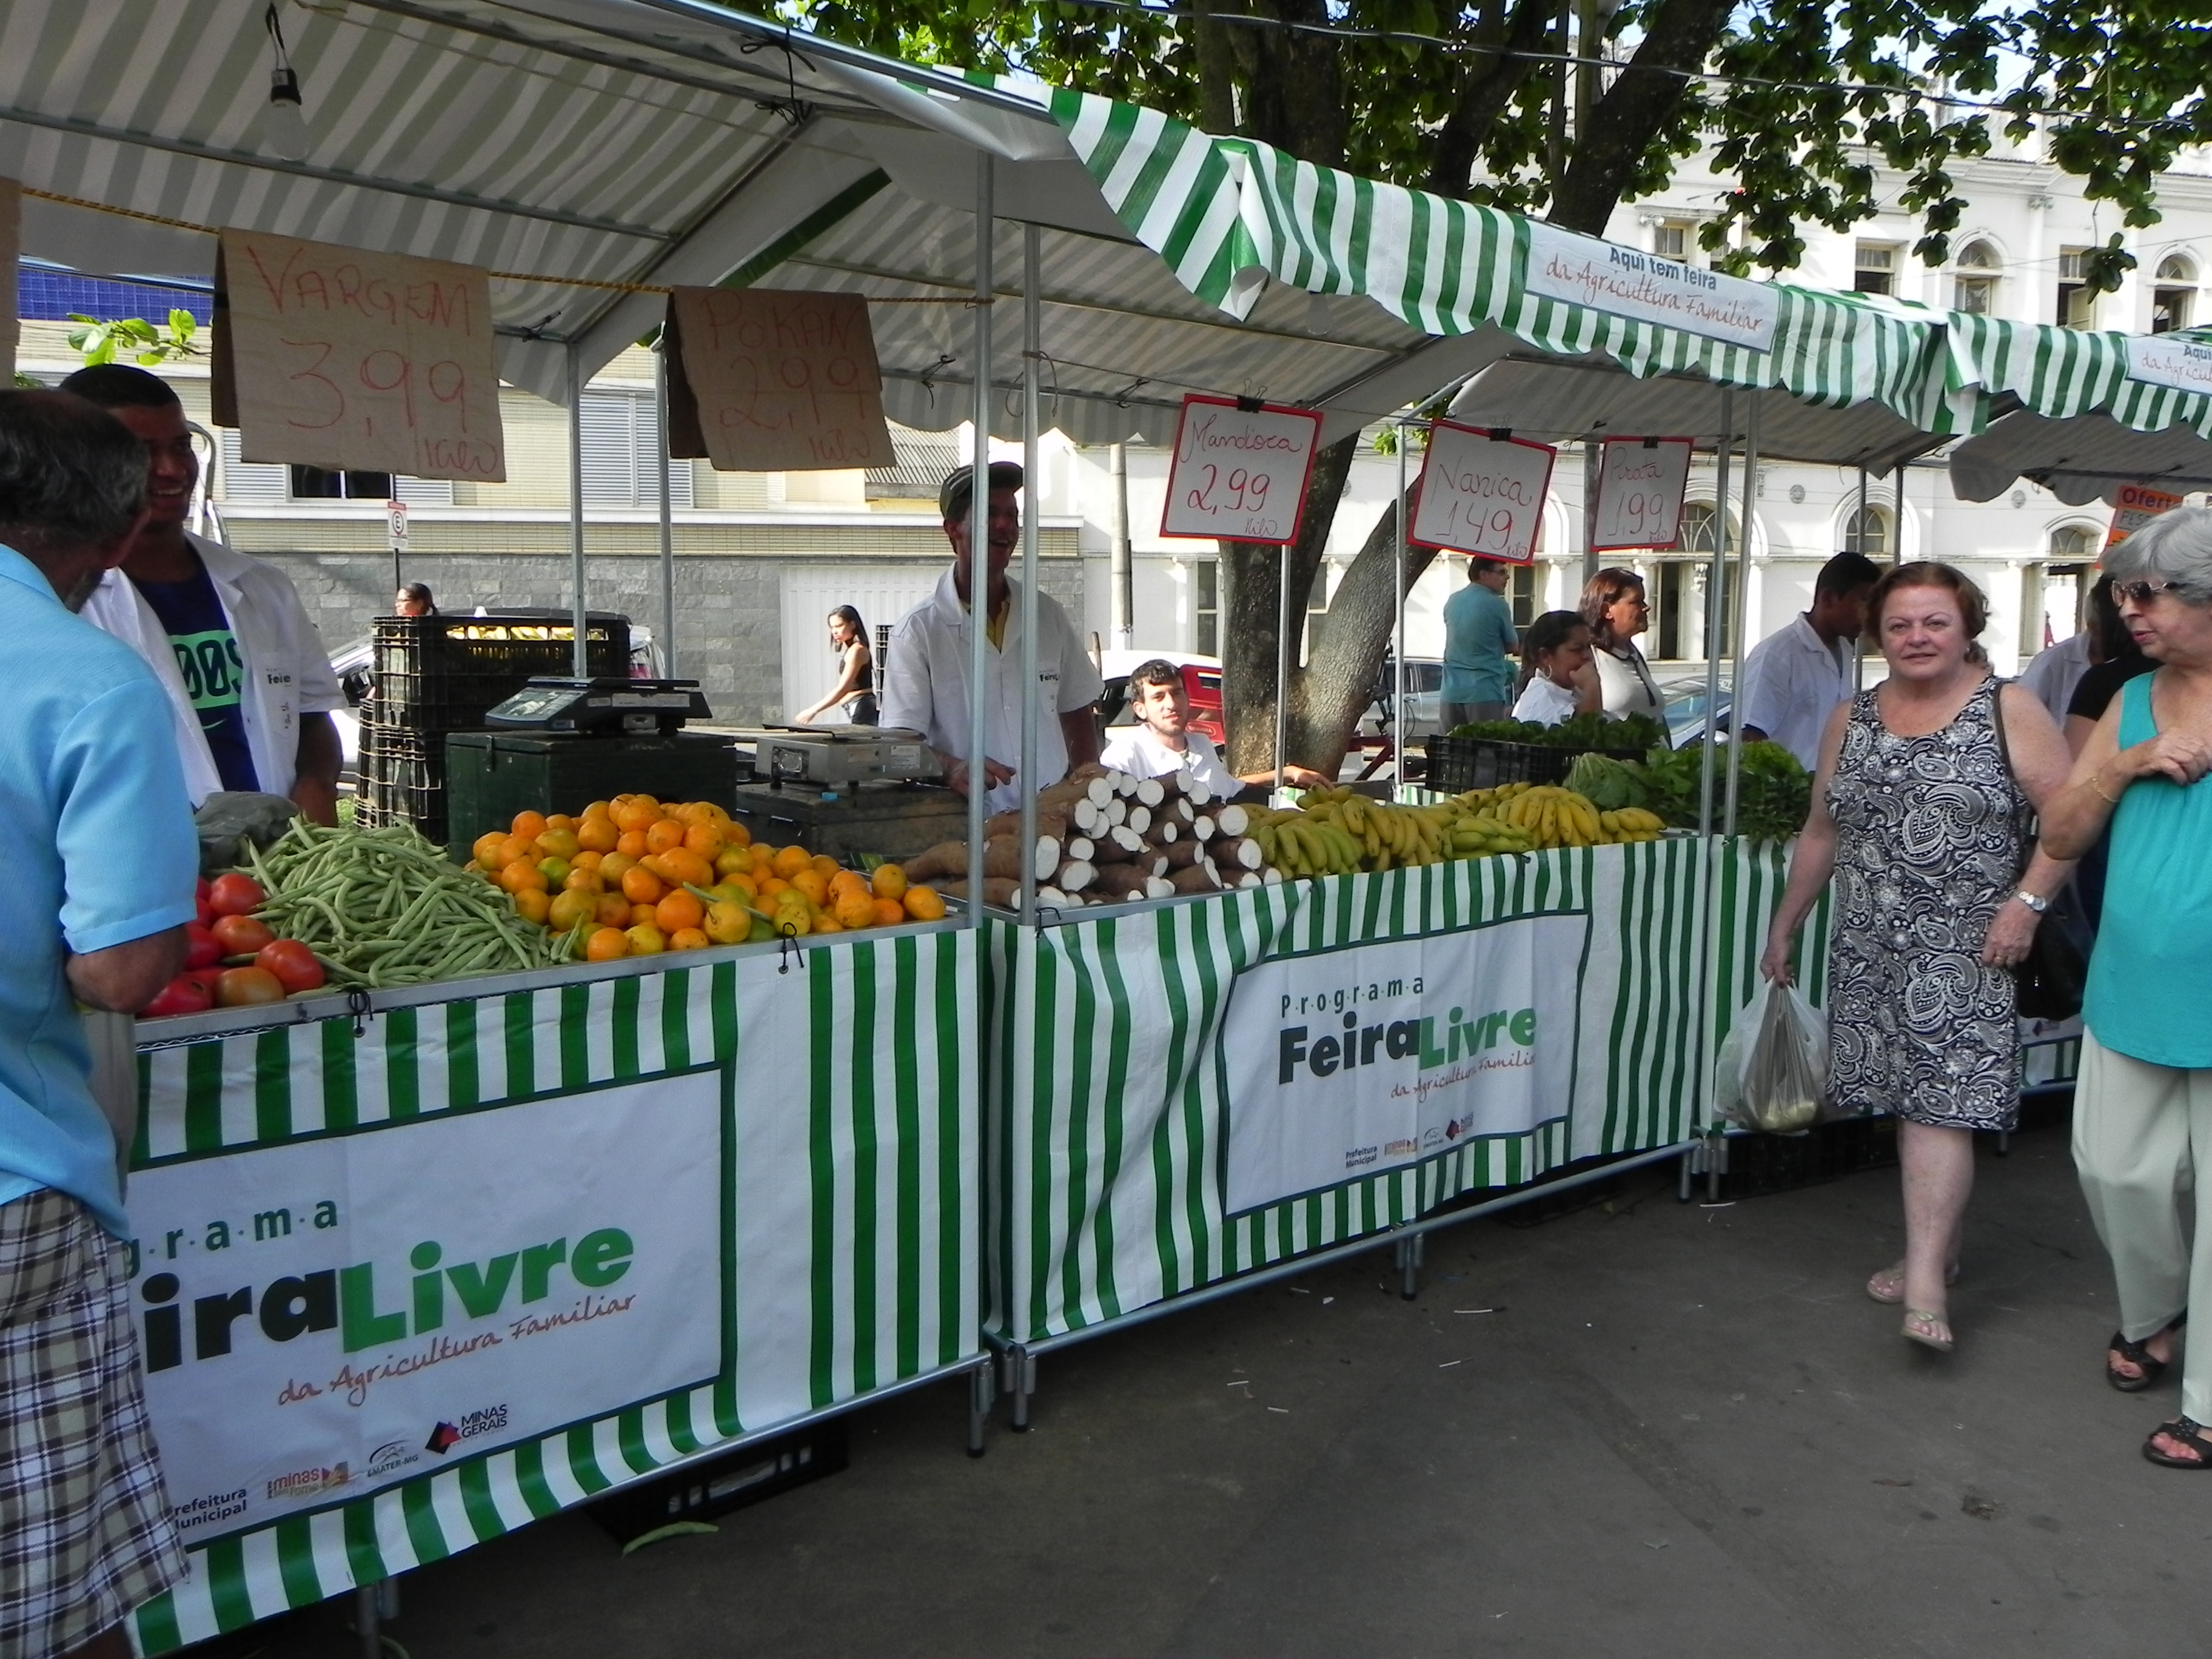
[2144,593]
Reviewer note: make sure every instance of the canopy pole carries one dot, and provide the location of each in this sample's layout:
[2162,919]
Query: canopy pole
[1739,608]
[1858,645]
[1032,344]
[979,552]
[1398,645]
[1713,569]
[667,521]
[1282,660]
[581,658]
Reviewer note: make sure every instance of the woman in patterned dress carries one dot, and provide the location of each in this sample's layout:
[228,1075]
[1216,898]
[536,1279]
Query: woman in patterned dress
[1920,812]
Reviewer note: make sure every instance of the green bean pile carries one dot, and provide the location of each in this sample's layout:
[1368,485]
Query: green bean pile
[384,907]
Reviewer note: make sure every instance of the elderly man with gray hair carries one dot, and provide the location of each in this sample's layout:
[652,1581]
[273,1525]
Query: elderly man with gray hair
[102,861]
[2143,1117]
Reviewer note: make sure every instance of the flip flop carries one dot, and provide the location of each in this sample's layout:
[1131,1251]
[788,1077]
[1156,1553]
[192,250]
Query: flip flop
[1887,1285]
[2189,1434]
[1931,1330]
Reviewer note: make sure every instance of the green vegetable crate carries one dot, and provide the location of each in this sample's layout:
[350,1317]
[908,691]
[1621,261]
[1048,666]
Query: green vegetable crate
[1459,764]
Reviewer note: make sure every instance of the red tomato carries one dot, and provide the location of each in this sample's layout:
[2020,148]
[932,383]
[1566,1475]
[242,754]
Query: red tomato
[236,895]
[201,950]
[205,911]
[240,935]
[292,962]
[240,988]
[185,994]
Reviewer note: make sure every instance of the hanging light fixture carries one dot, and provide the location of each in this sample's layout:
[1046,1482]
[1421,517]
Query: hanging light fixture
[283,126]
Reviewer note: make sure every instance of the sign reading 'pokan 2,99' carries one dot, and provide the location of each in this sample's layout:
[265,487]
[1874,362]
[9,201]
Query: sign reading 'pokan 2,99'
[1347,1063]
[326,1318]
[350,361]
[1239,471]
[774,380]
[1481,493]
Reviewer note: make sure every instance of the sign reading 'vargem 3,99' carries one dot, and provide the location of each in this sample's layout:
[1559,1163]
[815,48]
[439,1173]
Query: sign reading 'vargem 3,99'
[1347,1063]
[326,1318]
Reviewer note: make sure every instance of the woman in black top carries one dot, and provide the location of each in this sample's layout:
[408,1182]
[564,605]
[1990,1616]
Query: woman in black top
[856,689]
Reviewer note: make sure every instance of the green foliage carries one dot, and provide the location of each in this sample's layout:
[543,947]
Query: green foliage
[1632,734]
[1774,791]
[146,343]
[1607,784]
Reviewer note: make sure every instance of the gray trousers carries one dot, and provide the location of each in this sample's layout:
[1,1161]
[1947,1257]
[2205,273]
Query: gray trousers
[1467,713]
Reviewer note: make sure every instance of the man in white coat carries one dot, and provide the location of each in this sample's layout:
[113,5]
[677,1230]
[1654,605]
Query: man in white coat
[247,678]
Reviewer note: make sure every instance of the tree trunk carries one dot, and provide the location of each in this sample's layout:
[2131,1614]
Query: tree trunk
[1678,37]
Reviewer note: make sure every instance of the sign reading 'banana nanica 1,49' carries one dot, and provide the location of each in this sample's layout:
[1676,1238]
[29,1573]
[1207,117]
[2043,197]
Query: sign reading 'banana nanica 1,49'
[1350,1062]
[326,1318]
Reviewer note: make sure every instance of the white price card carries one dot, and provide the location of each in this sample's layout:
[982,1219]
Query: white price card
[1240,470]
[1482,493]
[1640,482]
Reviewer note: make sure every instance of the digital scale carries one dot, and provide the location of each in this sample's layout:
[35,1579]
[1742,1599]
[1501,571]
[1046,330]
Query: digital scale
[833,756]
[601,708]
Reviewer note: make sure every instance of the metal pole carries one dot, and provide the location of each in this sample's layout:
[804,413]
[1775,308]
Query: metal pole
[1738,610]
[667,522]
[1282,662]
[1124,570]
[580,659]
[1398,649]
[1032,344]
[1712,605]
[1858,645]
[979,552]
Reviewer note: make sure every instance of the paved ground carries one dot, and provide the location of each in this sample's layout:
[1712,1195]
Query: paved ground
[1680,1431]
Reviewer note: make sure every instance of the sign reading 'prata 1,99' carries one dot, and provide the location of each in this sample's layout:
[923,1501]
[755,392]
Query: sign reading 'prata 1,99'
[1240,470]
[1482,493]
[1640,482]
[356,361]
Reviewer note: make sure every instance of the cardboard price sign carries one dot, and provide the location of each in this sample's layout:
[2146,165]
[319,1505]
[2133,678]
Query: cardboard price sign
[1640,482]
[356,361]
[774,380]
[1481,493]
[2136,506]
[1239,470]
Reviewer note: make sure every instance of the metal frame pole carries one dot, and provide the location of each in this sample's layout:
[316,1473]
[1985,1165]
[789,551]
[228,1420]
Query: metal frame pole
[1398,645]
[1740,609]
[1712,641]
[667,505]
[1858,645]
[979,550]
[1032,344]
[1282,661]
[581,658]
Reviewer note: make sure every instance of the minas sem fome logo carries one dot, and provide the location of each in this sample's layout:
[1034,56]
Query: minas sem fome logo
[347,1300]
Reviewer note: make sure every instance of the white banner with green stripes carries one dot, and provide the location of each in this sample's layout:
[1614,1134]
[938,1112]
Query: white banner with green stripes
[1108,1120]
[406,1289]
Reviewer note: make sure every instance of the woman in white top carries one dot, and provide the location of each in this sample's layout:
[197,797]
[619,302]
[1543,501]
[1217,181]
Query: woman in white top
[1558,682]
[1614,607]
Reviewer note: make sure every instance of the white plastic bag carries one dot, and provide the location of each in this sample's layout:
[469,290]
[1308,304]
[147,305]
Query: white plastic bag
[1772,1072]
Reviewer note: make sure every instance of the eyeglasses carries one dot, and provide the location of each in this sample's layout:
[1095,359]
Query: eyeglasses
[2144,593]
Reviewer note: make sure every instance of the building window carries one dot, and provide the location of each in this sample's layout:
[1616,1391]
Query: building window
[1683,627]
[1674,239]
[622,443]
[1520,593]
[1205,612]
[2077,303]
[1974,284]
[2172,300]
[1866,532]
[1875,268]
[1316,608]
[311,483]
[238,482]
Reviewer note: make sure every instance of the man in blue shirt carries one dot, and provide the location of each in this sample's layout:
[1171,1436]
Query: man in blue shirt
[1478,638]
[101,860]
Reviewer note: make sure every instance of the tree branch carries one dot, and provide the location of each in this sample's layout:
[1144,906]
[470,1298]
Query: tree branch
[1488,90]
[1678,37]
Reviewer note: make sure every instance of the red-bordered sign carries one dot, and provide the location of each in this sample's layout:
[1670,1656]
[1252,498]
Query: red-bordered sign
[1482,493]
[1640,482]
[1239,470]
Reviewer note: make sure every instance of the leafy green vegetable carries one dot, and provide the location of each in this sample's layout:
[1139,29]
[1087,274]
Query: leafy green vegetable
[1630,735]
[1606,783]
[1774,791]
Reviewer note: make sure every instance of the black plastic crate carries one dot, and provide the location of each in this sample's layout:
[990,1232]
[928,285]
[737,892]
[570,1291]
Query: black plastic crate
[402,780]
[1761,1164]
[744,1476]
[1456,765]
[445,673]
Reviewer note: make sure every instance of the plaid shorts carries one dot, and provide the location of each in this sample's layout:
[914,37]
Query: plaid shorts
[85,1533]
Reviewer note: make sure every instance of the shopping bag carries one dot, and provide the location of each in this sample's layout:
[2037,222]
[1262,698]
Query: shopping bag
[1774,1067]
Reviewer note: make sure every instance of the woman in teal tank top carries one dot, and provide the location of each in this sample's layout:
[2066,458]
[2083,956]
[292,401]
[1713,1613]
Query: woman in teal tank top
[2142,1111]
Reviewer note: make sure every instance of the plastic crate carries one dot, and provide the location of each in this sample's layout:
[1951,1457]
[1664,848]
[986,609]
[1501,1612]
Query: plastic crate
[402,780]
[1761,1164]
[1456,765]
[440,674]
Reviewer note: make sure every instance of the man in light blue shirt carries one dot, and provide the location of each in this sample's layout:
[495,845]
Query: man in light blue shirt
[1478,638]
[102,862]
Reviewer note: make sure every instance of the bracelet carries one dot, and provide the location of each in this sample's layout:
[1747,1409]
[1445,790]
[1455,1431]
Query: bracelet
[2096,782]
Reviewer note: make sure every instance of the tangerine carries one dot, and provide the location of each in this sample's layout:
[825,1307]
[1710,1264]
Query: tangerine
[569,908]
[533,905]
[587,860]
[612,866]
[644,915]
[810,883]
[585,880]
[646,941]
[855,909]
[705,840]
[640,886]
[485,849]
[889,881]
[923,904]
[734,833]
[679,864]
[769,886]
[688,938]
[611,910]
[792,860]
[678,911]
[520,877]
[555,871]
[734,862]
[636,814]
[663,834]
[631,844]
[559,821]
[606,944]
[825,867]
[515,849]
[828,925]
[889,913]
[597,835]
[528,825]
[560,841]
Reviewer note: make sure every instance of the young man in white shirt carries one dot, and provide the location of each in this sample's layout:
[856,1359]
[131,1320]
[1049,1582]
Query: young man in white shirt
[1162,741]
[1793,679]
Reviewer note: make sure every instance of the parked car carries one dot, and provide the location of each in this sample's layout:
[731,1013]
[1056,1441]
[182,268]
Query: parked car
[1425,684]
[1684,692]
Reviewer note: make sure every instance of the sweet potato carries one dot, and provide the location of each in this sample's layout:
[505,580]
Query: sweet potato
[998,892]
[946,859]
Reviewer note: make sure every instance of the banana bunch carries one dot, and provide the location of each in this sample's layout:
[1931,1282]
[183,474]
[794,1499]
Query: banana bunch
[1555,817]
[1299,845]
[1478,835]
[1632,824]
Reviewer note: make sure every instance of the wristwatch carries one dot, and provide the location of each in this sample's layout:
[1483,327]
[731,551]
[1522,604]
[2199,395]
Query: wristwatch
[2034,902]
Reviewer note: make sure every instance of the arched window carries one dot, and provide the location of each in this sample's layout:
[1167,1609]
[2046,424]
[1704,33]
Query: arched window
[2173,295]
[1681,617]
[1867,532]
[1974,284]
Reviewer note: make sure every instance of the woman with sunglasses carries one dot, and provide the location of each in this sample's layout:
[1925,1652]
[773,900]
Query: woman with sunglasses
[2142,1110]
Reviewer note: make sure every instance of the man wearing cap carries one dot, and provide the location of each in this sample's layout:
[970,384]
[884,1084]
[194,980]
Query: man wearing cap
[925,676]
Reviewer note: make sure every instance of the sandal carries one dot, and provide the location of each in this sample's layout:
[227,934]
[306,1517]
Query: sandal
[1931,1330]
[2136,1354]
[1888,1285]
[2189,1434]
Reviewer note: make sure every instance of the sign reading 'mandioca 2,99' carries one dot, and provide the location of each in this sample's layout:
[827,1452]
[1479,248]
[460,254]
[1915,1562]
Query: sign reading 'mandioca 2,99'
[327,1318]
[1347,1062]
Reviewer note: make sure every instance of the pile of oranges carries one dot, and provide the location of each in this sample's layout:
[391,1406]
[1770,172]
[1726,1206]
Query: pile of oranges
[632,877]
